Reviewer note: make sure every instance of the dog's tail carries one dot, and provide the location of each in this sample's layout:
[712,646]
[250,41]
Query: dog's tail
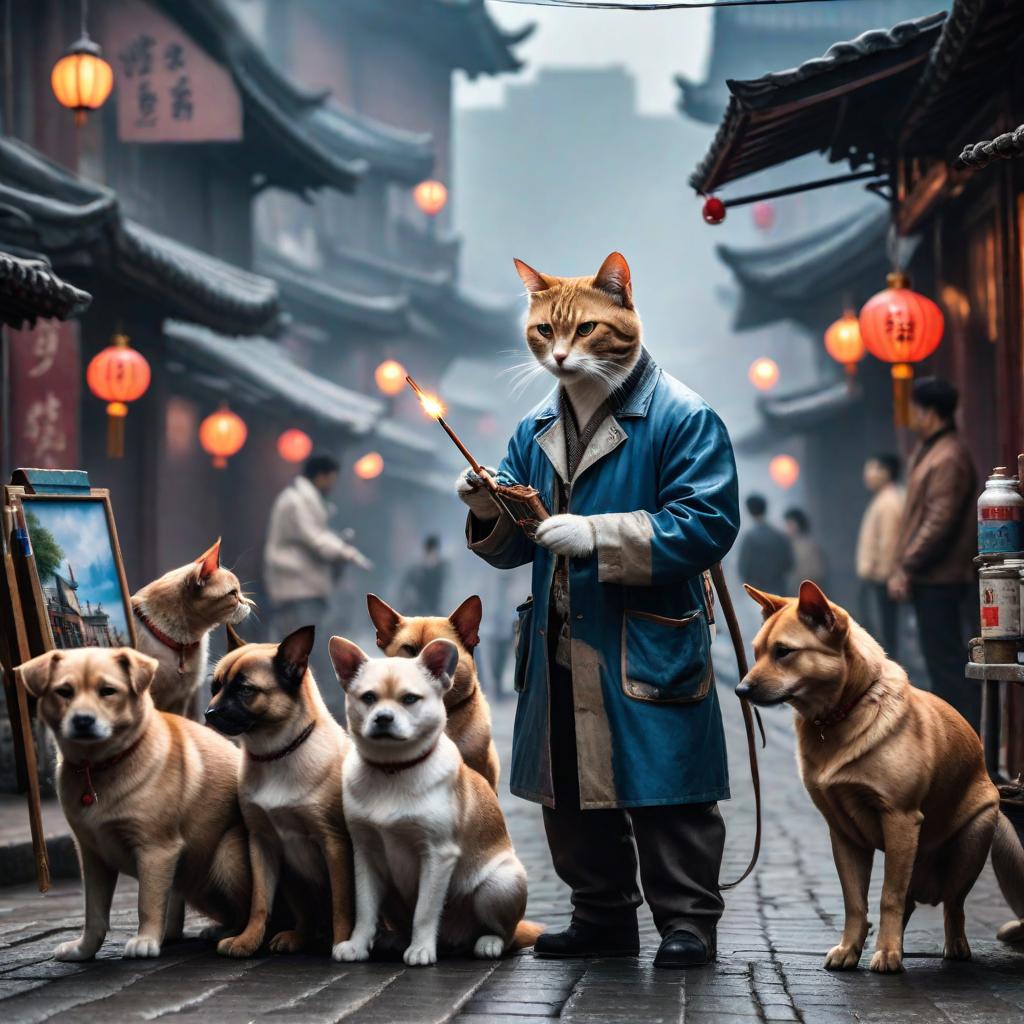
[525,935]
[1008,863]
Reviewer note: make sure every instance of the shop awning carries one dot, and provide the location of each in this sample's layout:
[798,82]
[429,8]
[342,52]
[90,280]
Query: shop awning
[29,290]
[258,370]
[46,211]
[842,104]
[297,138]
[813,277]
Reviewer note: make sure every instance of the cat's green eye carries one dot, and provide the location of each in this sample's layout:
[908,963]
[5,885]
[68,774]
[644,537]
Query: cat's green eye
[586,328]
[545,330]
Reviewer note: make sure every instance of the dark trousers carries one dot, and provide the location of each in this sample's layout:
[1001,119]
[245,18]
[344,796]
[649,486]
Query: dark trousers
[885,618]
[942,611]
[678,848]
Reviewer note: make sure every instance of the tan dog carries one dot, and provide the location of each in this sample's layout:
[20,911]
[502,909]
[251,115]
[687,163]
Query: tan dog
[290,790]
[469,716]
[146,794]
[432,853]
[889,766]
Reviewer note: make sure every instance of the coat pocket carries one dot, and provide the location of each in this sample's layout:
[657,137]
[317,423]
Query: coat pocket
[521,642]
[666,660]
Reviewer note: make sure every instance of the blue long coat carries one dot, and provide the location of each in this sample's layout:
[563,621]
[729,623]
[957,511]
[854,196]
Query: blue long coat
[660,479]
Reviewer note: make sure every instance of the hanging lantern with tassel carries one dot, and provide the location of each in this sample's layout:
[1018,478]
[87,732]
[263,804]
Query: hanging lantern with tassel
[82,79]
[901,327]
[844,343]
[294,445]
[118,375]
[222,435]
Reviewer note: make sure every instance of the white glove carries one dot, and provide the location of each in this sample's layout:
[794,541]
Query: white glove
[470,488]
[570,535]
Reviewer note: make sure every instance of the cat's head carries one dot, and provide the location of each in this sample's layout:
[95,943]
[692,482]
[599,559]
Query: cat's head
[580,327]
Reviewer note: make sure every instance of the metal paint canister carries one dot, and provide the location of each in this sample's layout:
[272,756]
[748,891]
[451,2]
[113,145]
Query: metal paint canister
[1000,591]
[1000,515]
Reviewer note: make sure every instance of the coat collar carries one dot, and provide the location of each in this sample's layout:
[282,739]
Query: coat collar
[636,402]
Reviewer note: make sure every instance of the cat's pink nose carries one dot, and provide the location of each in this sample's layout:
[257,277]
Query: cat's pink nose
[560,357]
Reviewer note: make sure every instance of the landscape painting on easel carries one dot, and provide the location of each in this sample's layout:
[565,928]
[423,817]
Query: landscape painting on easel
[79,570]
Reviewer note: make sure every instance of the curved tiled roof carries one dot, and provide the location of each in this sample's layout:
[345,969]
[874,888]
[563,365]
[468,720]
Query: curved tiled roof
[29,289]
[833,103]
[44,208]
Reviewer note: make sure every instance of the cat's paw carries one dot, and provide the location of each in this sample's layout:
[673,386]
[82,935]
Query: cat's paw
[141,947]
[351,950]
[420,954]
[76,949]
[569,535]
[489,947]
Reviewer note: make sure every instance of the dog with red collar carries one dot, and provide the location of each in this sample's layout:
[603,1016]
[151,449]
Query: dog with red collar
[432,852]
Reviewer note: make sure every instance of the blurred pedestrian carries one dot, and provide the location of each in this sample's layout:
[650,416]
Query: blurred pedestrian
[809,560]
[303,558]
[422,589]
[937,542]
[766,555]
[876,548]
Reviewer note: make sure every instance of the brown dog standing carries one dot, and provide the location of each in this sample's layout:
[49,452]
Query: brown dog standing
[889,766]
[469,717]
[146,794]
[290,791]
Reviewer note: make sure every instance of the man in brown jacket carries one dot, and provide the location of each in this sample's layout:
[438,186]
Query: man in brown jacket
[937,542]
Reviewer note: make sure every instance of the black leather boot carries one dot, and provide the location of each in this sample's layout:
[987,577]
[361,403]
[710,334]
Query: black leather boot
[683,949]
[581,939]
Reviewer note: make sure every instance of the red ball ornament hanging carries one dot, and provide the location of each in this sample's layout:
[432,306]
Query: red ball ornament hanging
[714,210]
[119,375]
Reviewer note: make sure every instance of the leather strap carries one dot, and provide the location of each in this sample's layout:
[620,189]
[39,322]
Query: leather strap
[750,713]
[394,767]
[276,755]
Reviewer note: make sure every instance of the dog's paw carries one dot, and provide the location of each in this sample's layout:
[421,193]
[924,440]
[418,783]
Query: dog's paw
[141,947]
[1012,931]
[887,961]
[420,954]
[76,949]
[238,945]
[842,958]
[351,950]
[959,949]
[290,941]
[489,947]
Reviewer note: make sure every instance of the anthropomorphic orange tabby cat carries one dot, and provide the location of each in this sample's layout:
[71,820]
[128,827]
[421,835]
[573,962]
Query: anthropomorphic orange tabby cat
[469,716]
[174,617]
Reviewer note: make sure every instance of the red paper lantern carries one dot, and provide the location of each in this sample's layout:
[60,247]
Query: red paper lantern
[294,445]
[82,79]
[222,435]
[784,470]
[763,373]
[119,375]
[430,196]
[901,327]
[714,210]
[844,343]
[764,216]
[390,377]
[369,466]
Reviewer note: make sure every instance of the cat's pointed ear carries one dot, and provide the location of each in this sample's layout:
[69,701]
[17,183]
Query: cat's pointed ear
[534,282]
[466,620]
[384,618]
[209,561]
[613,278]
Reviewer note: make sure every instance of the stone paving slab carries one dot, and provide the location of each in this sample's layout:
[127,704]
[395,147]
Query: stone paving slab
[772,942]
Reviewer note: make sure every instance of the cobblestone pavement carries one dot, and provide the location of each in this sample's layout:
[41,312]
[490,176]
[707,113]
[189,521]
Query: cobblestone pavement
[772,941]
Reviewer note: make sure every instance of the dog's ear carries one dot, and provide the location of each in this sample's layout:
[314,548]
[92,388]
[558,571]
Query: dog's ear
[234,640]
[770,603]
[466,621]
[37,673]
[208,562]
[816,611]
[348,659]
[440,658]
[385,618]
[292,657]
[138,667]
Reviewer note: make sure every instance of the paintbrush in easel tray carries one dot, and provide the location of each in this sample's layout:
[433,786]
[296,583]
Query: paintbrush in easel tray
[520,502]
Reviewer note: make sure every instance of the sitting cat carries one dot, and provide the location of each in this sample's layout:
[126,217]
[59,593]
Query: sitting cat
[175,615]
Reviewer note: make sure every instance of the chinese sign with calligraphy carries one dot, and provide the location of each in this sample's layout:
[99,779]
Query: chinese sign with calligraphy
[44,375]
[168,89]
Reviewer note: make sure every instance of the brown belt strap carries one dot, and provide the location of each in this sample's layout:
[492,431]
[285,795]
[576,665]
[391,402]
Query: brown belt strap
[749,712]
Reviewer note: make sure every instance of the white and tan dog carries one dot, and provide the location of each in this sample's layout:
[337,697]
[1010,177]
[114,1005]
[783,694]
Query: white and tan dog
[146,794]
[432,853]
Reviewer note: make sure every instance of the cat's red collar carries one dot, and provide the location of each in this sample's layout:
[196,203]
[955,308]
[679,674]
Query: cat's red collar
[182,650]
